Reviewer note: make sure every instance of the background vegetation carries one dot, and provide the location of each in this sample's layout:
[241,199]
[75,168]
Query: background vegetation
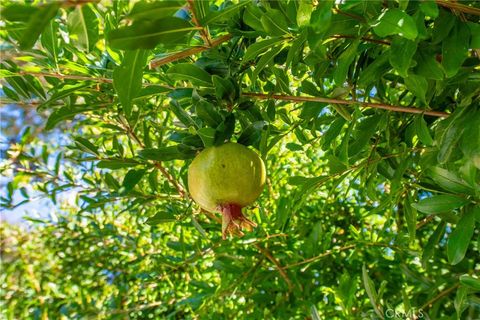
[365,112]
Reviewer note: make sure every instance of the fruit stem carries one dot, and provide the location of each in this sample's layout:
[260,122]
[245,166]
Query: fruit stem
[233,220]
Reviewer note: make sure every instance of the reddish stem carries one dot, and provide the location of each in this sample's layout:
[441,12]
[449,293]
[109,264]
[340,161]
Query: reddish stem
[233,220]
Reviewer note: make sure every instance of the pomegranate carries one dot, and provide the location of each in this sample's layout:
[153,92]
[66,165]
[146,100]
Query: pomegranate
[225,179]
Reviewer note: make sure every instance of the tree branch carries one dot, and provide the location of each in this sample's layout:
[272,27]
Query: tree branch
[277,264]
[203,31]
[157,164]
[64,76]
[341,36]
[188,52]
[458,7]
[320,256]
[345,102]
[439,296]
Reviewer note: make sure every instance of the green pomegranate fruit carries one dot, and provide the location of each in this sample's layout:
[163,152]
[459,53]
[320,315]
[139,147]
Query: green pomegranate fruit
[225,179]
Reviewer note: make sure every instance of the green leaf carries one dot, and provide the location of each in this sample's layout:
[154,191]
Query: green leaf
[314,313]
[451,135]
[439,204]
[207,112]
[161,217]
[374,71]
[190,72]
[371,292]
[251,135]
[401,54]
[147,34]
[295,51]
[37,23]
[433,240]
[332,132]
[455,48]
[459,239]
[273,21]
[225,129]
[164,154]
[304,11]
[66,113]
[117,164]
[427,65]
[181,114]
[450,181]
[258,48]
[224,89]
[51,41]
[470,282]
[422,131]
[83,27]
[252,16]
[266,59]
[411,219]
[127,78]
[430,8]
[224,13]
[207,135]
[86,146]
[475,32]
[395,21]
[363,133]
[154,10]
[132,178]
[344,62]
[19,12]
[321,17]
[418,86]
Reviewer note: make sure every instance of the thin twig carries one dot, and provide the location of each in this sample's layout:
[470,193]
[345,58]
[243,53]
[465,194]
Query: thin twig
[341,36]
[424,221]
[345,102]
[188,52]
[277,264]
[157,164]
[203,31]
[320,256]
[351,15]
[439,296]
[64,76]
[81,78]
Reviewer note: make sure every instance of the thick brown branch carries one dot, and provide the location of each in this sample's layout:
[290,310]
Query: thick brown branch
[458,7]
[188,52]
[345,102]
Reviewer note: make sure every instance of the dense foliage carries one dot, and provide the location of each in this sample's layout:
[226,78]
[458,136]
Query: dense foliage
[366,114]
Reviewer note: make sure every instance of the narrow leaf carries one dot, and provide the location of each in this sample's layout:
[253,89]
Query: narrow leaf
[190,72]
[147,34]
[459,239]
[371,292]
[440,204]
[127,78]
[37,23]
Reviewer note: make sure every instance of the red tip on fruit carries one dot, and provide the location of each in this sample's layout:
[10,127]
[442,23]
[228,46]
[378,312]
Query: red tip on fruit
[233,220]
